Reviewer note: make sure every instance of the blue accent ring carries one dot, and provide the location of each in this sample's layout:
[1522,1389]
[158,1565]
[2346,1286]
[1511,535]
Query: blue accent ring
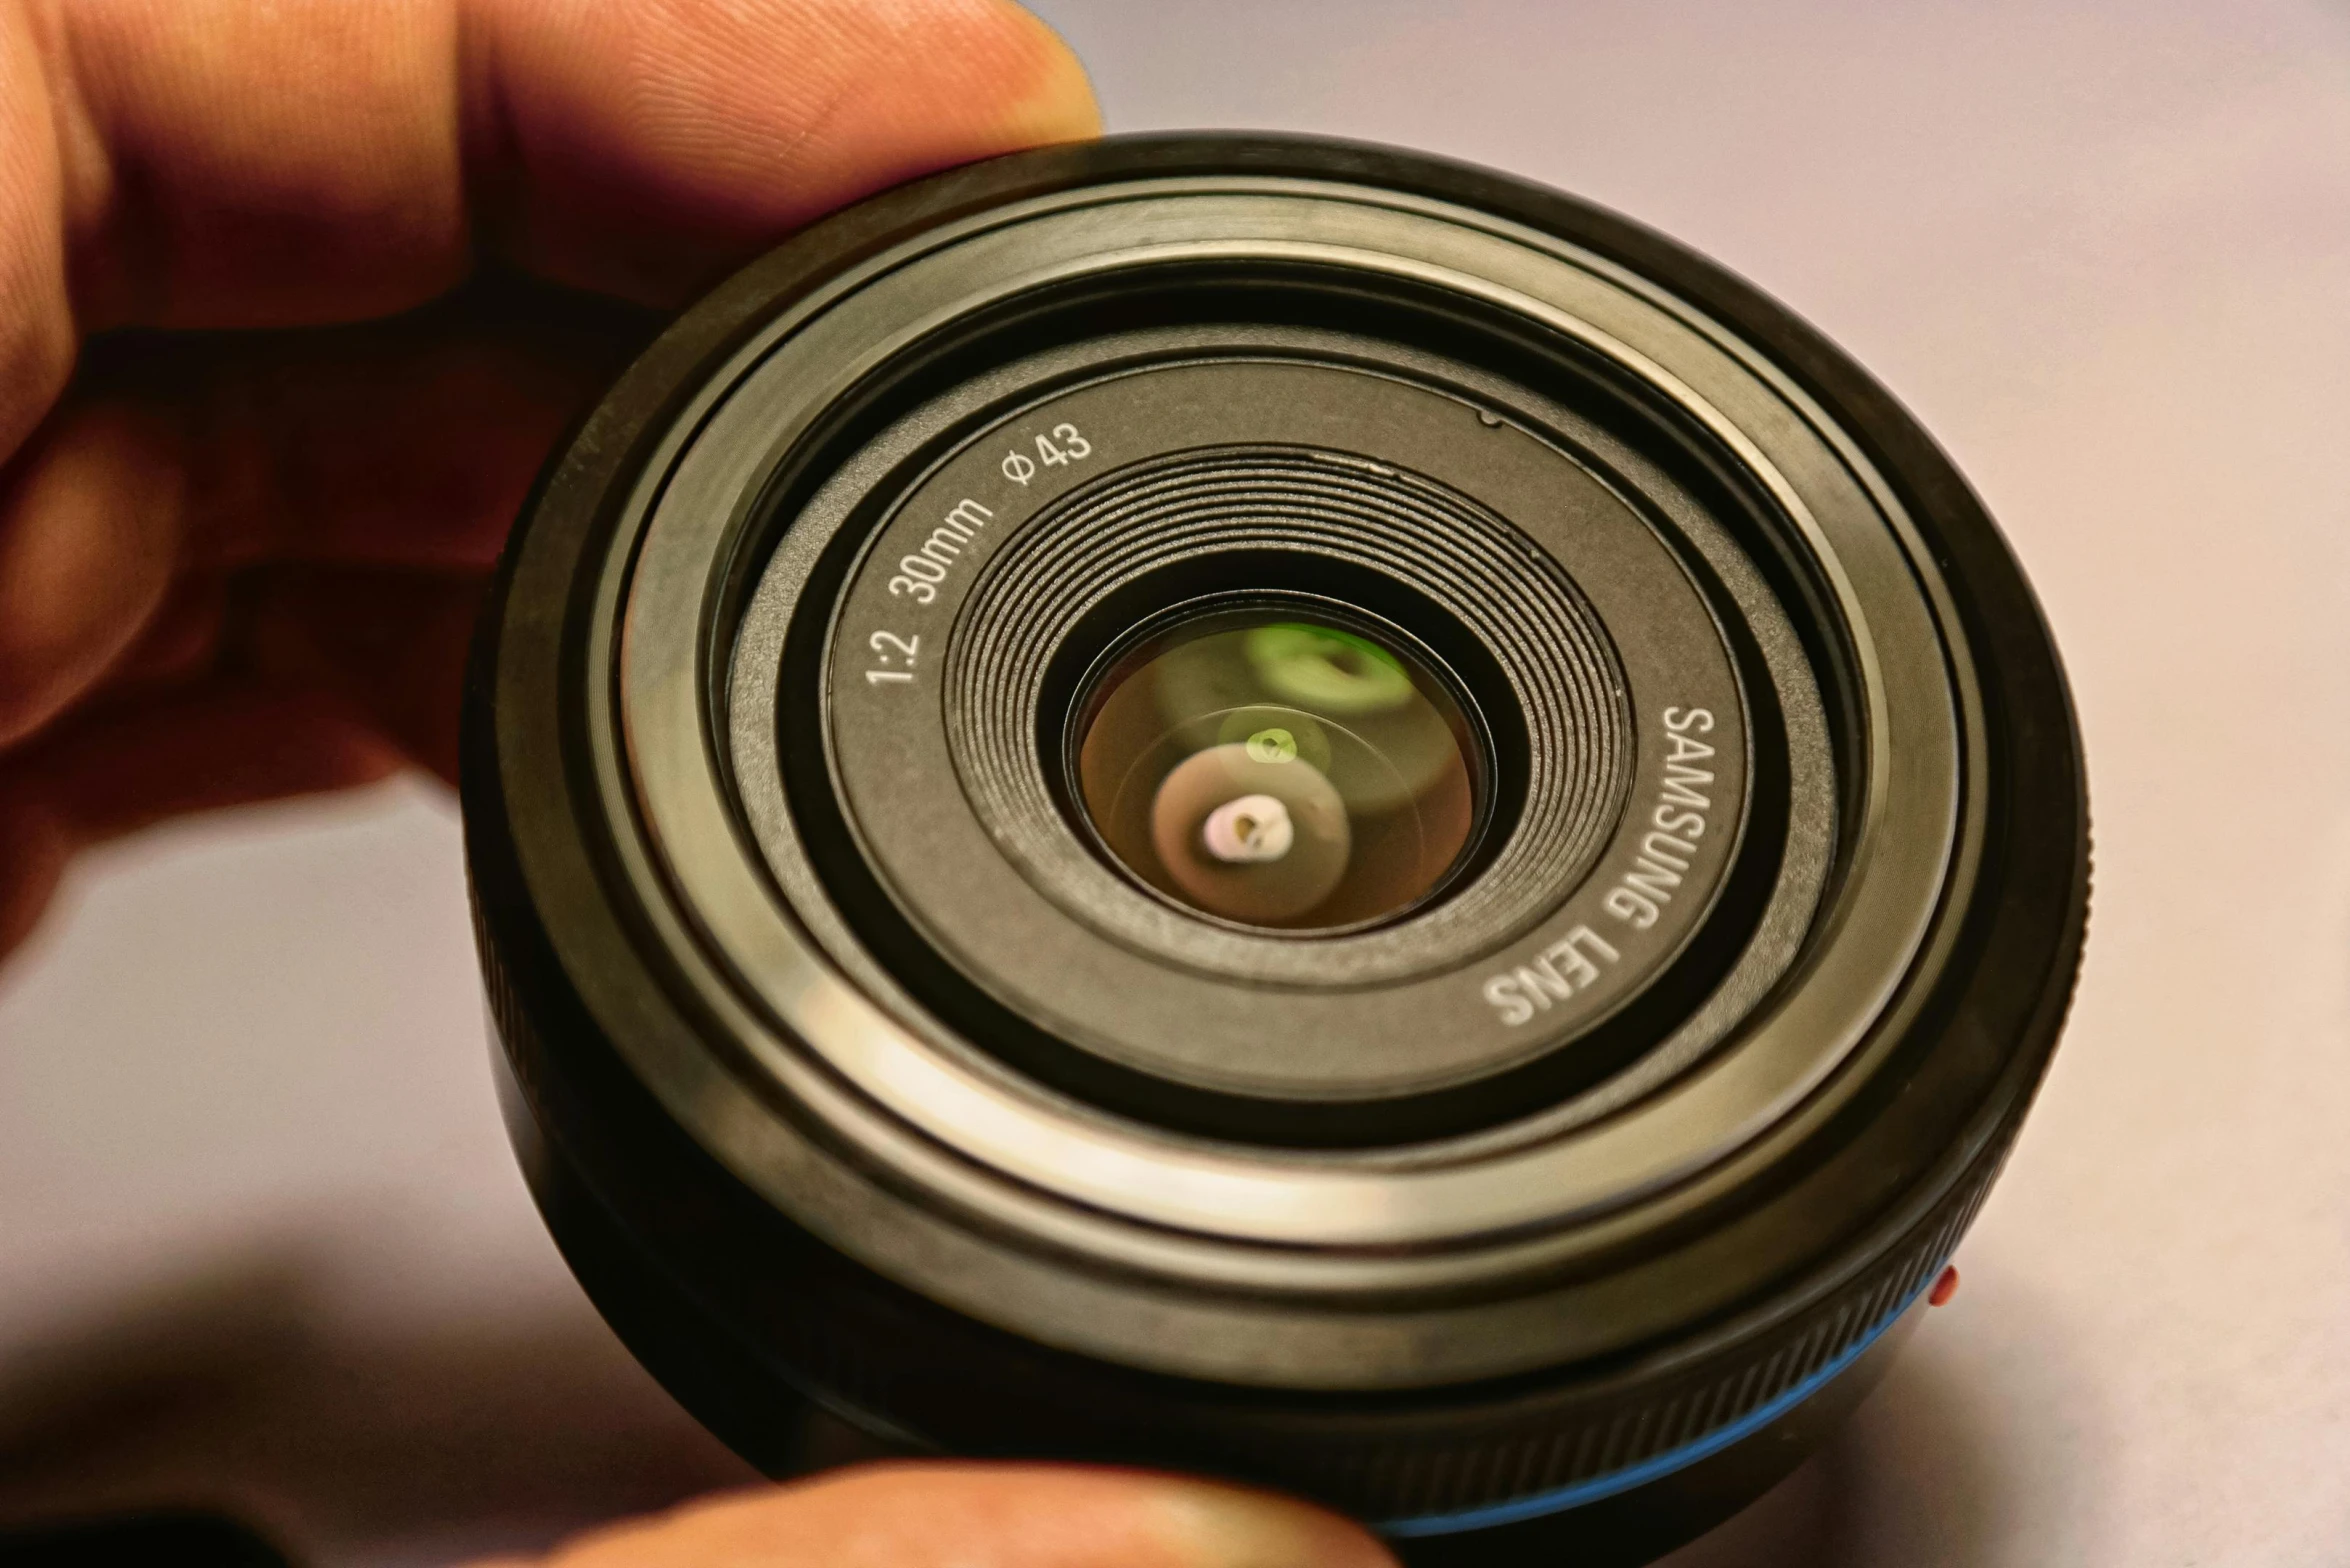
[1559,1499]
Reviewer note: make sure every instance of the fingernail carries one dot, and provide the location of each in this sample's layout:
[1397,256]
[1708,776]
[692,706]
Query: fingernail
[1228,1527]
[1060,105]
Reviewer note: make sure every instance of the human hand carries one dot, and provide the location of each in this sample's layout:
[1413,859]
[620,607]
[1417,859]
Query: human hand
[244,517]
[264,423]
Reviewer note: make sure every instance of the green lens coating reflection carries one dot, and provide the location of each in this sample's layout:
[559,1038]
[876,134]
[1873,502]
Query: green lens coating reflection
[1279,773]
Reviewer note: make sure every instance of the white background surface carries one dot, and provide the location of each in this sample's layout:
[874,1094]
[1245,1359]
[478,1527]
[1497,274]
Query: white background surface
[260,1236]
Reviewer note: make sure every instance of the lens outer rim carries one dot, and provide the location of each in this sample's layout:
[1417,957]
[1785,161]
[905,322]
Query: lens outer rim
[611,1045]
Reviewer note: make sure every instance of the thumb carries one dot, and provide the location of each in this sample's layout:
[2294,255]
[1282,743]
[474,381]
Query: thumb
[955,1515]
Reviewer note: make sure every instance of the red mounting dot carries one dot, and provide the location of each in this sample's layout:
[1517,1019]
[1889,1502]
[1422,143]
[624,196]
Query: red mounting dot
[1944,1288]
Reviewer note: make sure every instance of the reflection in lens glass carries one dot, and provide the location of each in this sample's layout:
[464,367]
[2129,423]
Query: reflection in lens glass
[1278,772]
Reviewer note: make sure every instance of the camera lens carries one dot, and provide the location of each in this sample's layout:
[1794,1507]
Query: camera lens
[1271,807]
[1277,772]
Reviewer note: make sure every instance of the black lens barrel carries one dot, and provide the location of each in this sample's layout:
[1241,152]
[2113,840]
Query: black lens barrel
[1555,1195]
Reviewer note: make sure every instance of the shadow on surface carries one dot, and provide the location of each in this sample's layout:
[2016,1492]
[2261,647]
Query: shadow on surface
[241,1391]
[1917,1479]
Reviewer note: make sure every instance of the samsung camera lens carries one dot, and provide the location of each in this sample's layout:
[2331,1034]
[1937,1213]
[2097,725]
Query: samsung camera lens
[1276,808]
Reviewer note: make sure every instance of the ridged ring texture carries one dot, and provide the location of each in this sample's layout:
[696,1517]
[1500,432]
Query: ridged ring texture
[1138,520]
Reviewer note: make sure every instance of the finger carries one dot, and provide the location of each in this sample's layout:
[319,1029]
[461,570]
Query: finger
[179,643]
[986,1516]
[90,528]
[221,163]
[389,646]
[227,743]
[37,329]
[287,682]
[408,443]
[645,149]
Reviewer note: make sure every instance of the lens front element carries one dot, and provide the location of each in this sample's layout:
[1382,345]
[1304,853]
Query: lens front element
[1278,772]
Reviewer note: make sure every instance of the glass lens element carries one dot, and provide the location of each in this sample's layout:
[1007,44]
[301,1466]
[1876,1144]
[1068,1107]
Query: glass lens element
[1278,772]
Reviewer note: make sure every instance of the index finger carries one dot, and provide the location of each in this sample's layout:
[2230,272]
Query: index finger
[216,163]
